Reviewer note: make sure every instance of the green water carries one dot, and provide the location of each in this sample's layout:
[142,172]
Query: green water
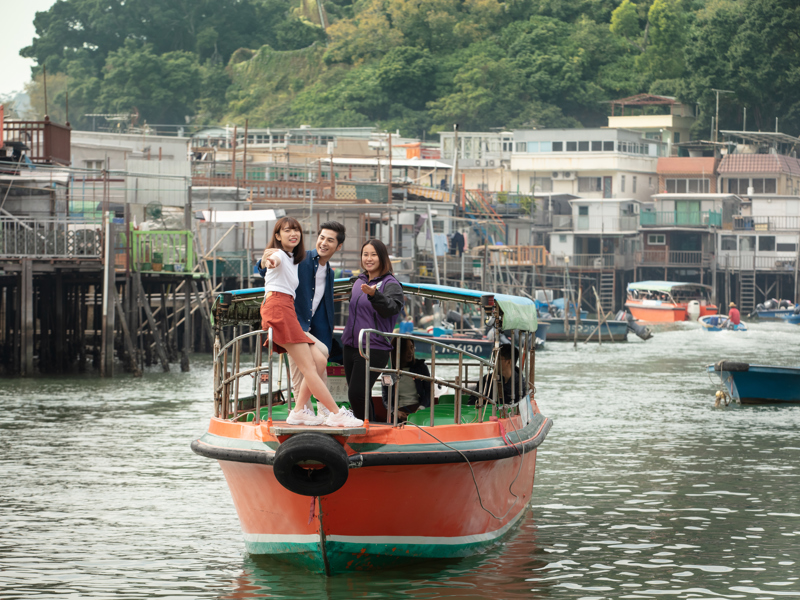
[643,488]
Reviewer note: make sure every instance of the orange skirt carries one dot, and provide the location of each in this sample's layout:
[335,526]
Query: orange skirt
[277,311]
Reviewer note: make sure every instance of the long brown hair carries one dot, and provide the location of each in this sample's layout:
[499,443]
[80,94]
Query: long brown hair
[383,256]
[299,252]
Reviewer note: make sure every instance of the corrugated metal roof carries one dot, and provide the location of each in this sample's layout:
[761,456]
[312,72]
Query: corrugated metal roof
[685,165]
[759,163]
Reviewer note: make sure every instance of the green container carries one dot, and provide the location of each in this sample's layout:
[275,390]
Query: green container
[147,266]
[158,257]
[169,267]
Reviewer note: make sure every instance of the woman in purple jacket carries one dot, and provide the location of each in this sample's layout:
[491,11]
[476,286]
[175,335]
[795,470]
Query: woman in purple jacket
[375,303]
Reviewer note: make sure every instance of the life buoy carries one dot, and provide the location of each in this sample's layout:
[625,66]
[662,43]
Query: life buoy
[311,464]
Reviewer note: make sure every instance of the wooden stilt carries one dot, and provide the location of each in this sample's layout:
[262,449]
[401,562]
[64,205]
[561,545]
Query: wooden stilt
[126,335]
[160,350]
[26,318]
[187,325]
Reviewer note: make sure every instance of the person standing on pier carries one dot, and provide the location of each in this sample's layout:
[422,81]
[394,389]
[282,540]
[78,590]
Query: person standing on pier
[375,303]
[313,301]
[278,312]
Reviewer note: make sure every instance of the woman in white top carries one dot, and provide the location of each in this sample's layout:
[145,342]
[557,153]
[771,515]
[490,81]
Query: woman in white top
[277,311]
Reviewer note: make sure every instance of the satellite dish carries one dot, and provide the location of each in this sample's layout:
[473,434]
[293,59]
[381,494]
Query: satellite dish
[153,211]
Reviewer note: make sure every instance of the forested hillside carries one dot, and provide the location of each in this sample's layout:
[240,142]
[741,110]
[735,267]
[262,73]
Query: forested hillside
[417,65]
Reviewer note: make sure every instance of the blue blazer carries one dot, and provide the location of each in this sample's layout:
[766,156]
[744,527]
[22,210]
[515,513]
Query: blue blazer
[321,324]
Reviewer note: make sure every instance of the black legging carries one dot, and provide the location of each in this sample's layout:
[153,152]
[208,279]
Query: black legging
[354,372]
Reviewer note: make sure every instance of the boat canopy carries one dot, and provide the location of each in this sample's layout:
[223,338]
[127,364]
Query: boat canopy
[666,286]
[518,312]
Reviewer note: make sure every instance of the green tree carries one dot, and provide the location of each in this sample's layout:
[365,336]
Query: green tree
[163,88]
[663,56]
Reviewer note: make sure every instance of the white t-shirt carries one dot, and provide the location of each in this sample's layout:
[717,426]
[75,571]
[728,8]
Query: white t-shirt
[283,278]
[319,287]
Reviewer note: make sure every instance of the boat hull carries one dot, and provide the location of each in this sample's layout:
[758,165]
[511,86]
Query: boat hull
[616,331]
[762,384]
[657,311]
[397,504]
[785,316]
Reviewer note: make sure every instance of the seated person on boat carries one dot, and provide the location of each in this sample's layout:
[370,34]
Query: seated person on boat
[508,371]
[413,393]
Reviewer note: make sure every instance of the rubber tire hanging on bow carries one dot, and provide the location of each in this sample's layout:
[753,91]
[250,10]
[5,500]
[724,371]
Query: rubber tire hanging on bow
[311,464]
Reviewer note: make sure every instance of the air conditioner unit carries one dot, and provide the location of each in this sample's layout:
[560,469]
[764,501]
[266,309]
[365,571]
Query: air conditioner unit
[477,162]
[567,175]
[491,163]
[556,175]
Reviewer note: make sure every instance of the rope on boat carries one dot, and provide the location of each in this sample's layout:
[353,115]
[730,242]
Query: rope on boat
[472,471]
[722,397]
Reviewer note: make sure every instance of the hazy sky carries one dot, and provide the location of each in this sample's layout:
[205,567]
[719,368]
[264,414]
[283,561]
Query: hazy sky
[17,32]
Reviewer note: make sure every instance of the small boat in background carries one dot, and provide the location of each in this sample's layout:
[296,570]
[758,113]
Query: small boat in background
[611,331]
[669,301]
[758,384]
[720,323]
[778,310]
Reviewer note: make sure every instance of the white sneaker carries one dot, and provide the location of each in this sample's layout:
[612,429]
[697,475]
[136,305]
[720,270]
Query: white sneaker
[304,417]
[344,418]
[322,411]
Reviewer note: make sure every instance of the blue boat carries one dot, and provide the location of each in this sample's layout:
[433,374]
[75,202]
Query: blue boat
[787,315]
[758,384]
[719,323]
[616,331]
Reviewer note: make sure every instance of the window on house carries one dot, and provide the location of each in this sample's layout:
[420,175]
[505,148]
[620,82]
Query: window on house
[545,146]
[656,239]
[747,243]
[786,247]
[766,243]
[522,146]
[562,239]
[533,146]
[438,226]
[633,184]
[622,146]
[590,184]
[764,186]
[95,164]
[558,146]
[676,138]
[572,146]
[583,211]
[622,183]
[597,146]
[728,242]
[583,146]
[608,146]
[541,184]
[738,186]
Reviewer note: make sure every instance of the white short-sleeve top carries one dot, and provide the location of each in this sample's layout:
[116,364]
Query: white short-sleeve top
[283,278]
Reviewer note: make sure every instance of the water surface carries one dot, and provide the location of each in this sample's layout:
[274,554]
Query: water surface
[643,489]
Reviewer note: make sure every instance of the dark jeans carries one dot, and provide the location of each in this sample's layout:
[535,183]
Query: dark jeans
[354,373]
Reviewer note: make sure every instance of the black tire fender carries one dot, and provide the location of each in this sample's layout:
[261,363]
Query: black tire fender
[731,366]
[311,464]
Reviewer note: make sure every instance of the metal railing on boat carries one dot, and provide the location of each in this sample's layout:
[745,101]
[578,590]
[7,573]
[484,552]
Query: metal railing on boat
[227,383]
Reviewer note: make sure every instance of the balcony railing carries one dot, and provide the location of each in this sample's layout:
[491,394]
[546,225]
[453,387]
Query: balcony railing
[749,262]
[162,251]
[562,222]
[48,142]
[50,237]
[589,261]
[606,224]
[518,255]
[766,223]
[271,190]
[673,258]
[706,218]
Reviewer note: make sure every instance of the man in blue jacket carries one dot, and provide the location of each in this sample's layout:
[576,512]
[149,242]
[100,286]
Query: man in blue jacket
[313,300]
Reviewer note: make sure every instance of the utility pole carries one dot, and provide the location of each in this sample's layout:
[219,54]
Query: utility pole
[716,118]
[454,185]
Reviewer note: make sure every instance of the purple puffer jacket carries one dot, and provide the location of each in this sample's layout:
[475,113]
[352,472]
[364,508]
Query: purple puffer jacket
[380,311]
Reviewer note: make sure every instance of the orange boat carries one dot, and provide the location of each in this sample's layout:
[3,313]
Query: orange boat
[449,482]
[669,301]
